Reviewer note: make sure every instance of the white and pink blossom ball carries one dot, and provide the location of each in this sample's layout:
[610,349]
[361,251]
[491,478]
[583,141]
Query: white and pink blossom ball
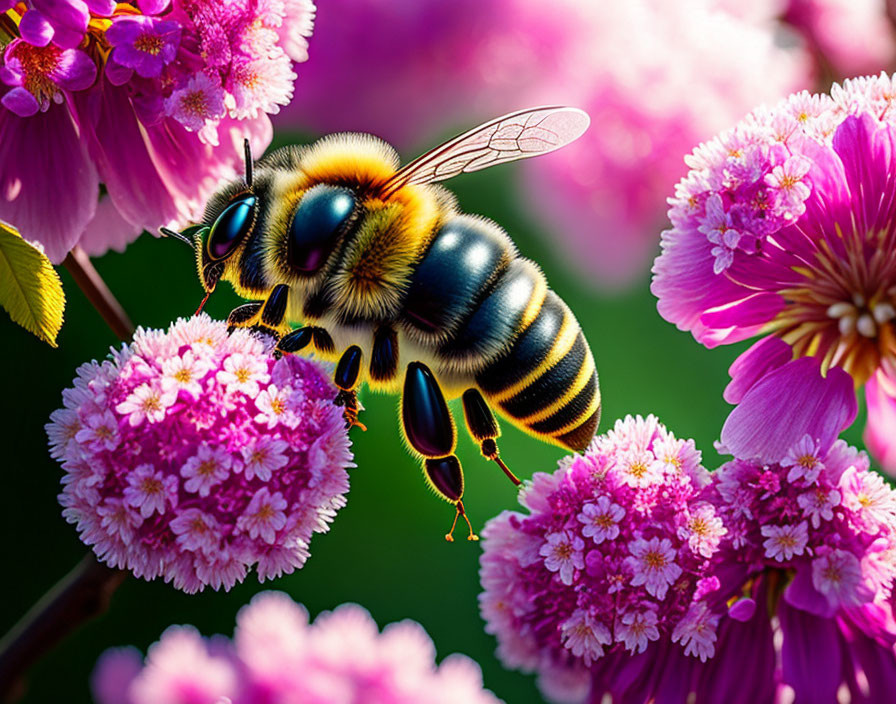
[277,656]
[193,454]
[610,561]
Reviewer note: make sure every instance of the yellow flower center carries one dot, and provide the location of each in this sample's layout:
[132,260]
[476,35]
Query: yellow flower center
[149,43]
[206,468]
[655,560]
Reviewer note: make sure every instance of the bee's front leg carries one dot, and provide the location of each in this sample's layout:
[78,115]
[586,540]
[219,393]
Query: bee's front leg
[268,316]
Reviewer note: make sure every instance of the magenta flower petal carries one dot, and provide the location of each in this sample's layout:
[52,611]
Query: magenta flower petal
[686,286]
[103,8]
[153,7]
[745,653]
[750,314]
[43,154]
[125,162]
[764,356]
[69,19]
[788,403]
[74,71]
[113,675]
[803,596]
[810,654]
[35,28]
[117,74]
[107,230]
[880,431]
[21,102]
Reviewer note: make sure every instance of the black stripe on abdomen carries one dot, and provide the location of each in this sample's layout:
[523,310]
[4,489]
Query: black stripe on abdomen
[550,386]
[529,350]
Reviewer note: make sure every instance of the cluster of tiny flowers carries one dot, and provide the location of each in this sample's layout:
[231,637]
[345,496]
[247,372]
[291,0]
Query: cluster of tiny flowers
[823,514]
[276,656]
[193,60]
[612,556]
[750,181]
[193,454]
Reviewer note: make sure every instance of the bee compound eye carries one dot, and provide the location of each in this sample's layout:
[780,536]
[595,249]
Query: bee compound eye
[320,219]
[232,225]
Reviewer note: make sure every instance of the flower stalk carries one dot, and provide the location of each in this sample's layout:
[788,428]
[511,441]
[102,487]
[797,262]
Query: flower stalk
[82,595]
[91,283]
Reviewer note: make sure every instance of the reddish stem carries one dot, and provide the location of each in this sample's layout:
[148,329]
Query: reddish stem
[91,283]
[83,594]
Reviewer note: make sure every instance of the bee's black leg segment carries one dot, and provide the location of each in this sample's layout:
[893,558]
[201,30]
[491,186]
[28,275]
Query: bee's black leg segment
[384,356]
[274,311]
[295,341]
[242,316]
[247,151]
[322,340]
[430,431]
[484,429]
[348,371]
[425,416]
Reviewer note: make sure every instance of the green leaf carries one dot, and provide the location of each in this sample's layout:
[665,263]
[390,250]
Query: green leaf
[30,289]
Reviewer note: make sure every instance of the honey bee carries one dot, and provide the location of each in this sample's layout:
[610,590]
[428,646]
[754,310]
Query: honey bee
[405,292]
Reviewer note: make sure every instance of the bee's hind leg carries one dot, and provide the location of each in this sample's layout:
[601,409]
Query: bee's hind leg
[430,431]
[483,428]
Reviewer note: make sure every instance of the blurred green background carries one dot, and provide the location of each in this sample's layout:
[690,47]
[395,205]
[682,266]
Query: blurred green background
[386,549]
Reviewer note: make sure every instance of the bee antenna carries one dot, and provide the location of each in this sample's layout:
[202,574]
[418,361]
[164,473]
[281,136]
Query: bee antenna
[165,232]
[248,151]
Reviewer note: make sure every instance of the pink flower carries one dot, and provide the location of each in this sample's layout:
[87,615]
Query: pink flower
[276,405]
[808,184]
[263,456]
[587,588]
[783,542]
[208,467]
[653,565]
[144,44]
[150,490]
[600,519]
[828,582]
[264,515]
[562,553]
[158,120]
[182,372]
[277,656]
[147,402]
[186,484]
[636,630]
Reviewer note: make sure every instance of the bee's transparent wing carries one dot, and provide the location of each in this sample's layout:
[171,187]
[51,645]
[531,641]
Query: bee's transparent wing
[518,135]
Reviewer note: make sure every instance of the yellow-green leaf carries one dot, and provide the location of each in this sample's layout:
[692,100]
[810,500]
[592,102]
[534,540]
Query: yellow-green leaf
[30,289]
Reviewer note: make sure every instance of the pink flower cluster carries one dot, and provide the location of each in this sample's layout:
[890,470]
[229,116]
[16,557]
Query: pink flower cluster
[784,227]
[611,558]
[193,454]
[152,98]
[812,540]
[822,513]
[276,656]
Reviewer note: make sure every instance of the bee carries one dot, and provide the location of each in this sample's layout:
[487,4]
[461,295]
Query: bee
[404,292]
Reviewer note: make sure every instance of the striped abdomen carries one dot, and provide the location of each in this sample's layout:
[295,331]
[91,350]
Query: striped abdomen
[494,314]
